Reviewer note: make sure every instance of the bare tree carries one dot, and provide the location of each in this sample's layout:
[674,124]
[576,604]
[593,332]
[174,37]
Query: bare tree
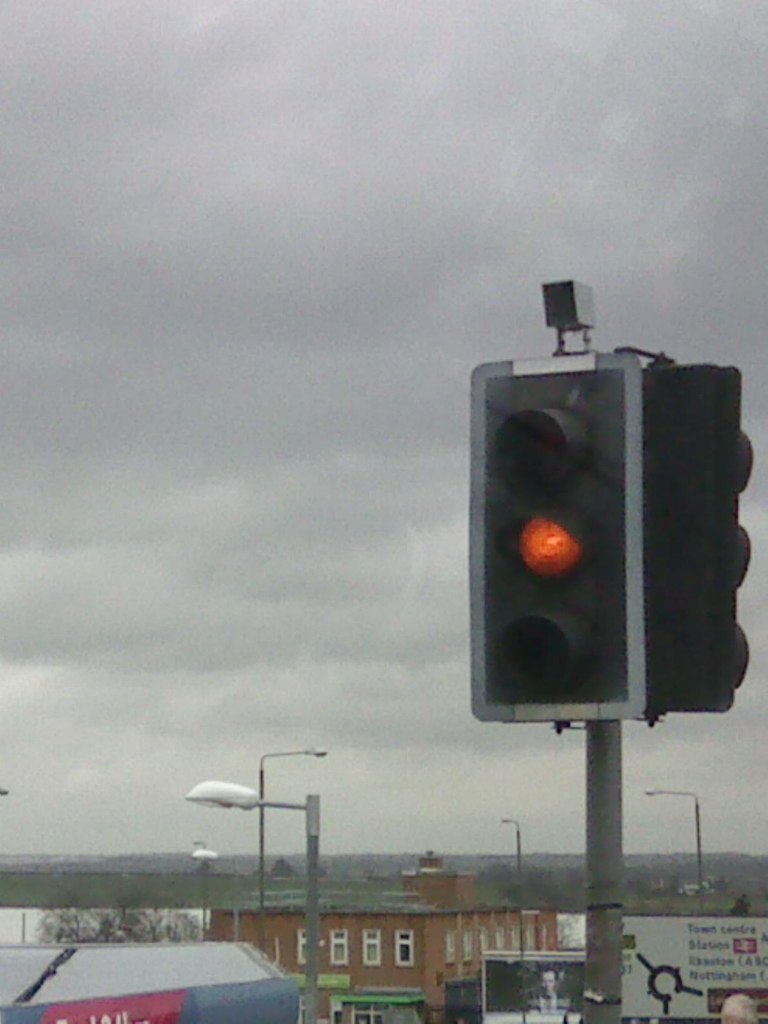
[76,924]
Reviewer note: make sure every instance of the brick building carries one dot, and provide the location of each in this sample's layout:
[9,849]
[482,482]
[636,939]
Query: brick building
[395,959]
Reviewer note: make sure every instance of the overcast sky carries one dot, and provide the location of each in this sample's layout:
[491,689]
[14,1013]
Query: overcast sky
[251,252]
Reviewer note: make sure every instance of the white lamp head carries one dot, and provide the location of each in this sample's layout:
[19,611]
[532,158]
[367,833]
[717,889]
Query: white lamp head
[223,794]
[204,854]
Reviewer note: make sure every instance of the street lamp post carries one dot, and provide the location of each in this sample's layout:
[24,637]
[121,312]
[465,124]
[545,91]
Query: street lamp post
[231,794]
[205,859]
[310,752]
[519,850]
[697,820]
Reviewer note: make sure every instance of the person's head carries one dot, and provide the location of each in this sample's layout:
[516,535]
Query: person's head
[739,1009]
[549,980]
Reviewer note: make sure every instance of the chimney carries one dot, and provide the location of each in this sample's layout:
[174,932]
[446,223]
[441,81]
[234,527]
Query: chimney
[436,887]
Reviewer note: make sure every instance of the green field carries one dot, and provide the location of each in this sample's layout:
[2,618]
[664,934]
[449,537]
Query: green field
[224,891]
[125,890]
[239,892]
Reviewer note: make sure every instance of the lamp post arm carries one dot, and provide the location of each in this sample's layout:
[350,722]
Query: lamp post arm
[282,805]
[307,752]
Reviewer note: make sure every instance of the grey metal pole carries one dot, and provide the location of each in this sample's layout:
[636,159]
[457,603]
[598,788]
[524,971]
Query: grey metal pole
[204,868]
[312,909]
[521,904]
[699,860]
[605,871]
[262,931]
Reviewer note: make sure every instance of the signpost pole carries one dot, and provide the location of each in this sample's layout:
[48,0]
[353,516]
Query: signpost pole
[605,868]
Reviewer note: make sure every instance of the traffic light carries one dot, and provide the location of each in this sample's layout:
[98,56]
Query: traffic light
[697,461]
[556,539]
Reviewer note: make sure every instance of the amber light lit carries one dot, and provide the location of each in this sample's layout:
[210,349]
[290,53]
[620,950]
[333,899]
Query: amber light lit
[548,549]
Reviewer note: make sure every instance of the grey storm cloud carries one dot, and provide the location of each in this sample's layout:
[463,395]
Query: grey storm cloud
[250,256]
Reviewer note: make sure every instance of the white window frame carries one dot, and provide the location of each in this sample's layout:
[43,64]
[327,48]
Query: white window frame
[339,947]
[530,935]
[301,946]
[450,947]
[372,947]
[483,940]
[468,944]
[499,941]
[367,1014]
[404,937]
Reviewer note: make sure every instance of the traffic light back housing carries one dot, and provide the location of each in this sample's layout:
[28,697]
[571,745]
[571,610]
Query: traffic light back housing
[696,462]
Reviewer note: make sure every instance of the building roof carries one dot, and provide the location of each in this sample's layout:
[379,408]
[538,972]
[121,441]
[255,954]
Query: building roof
[46,974]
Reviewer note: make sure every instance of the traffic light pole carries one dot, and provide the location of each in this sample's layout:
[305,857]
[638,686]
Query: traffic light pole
[605,870]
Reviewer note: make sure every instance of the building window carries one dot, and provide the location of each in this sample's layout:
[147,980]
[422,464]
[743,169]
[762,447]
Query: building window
[301,946]
[530,936]
[404,949]
[368,1015]
[545,944]
[372,947]
[468,944]
[499,938]
[514,936]
[339,948]
[483,939]
[450,947]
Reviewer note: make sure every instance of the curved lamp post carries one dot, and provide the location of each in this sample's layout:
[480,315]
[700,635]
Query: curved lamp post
[309,752]
[232,794]
[697,820]
[519,849]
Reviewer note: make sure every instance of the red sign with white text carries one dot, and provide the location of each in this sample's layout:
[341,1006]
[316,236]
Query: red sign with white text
[747,947]
[157,1008]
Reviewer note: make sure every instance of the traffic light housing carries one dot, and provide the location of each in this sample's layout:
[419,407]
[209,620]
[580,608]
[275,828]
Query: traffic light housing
[556,539]
[605,546]
[697,462]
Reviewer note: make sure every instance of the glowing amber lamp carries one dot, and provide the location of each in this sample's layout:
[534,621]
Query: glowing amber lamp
[548,549]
